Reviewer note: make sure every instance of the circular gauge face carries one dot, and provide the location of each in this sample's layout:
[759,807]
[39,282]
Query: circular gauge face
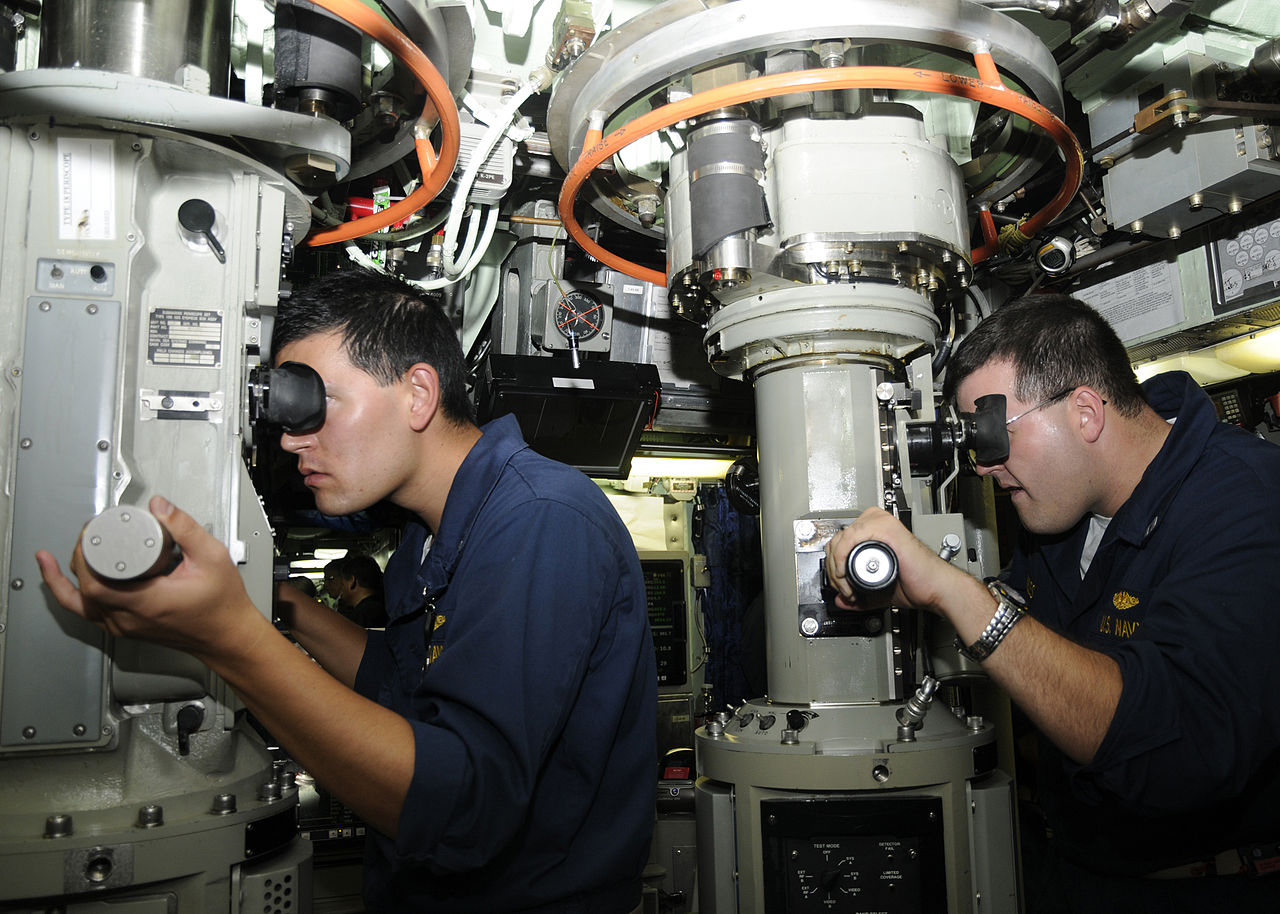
[579,316]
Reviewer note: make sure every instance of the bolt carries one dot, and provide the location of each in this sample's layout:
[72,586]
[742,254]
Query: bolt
[224,804]
[1136,226]
[79,729]
[25,444]
[1107,162]
[28,732]
[150,816]
[45,306]
[91,309]
[57,826]
[1175,232]
[831,53]
[104,445]
[16,584]
[647,210]
[1195,201]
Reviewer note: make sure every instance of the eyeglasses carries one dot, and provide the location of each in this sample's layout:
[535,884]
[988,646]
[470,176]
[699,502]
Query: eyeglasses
[987,429]
[1047,401]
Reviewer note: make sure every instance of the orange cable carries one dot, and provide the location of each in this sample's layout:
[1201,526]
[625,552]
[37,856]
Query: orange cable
[436,170]
[593,154]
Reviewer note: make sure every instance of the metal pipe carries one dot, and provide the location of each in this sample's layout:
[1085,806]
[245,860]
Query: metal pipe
[177,43]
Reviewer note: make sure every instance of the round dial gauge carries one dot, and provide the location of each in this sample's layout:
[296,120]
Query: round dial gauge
[579,316]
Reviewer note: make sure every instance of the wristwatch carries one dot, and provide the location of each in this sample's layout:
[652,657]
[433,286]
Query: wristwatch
[1009,609]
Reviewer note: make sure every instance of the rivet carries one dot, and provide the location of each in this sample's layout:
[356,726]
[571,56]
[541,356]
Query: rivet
[16,583]
[25,443]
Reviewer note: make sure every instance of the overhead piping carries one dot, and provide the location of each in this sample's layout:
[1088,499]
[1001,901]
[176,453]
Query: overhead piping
[987,87]
[436,168]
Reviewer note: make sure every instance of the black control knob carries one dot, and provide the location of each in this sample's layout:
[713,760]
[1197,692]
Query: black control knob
[190,717]
[197,217]
[872,569]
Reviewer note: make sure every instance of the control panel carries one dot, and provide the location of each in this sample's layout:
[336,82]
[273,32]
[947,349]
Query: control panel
[666,588]
[854,855]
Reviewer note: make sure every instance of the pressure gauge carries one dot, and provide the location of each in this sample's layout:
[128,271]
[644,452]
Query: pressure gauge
[578,316]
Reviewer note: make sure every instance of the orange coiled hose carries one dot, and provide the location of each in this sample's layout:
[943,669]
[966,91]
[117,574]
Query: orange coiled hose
[436,169]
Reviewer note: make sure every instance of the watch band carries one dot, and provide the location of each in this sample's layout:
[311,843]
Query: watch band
[1010,607]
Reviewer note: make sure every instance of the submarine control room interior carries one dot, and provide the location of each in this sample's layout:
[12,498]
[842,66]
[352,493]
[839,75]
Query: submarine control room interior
[715,254]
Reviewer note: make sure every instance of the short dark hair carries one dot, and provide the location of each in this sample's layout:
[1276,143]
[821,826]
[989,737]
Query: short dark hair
[364,570]
[1054,343]
[387,326]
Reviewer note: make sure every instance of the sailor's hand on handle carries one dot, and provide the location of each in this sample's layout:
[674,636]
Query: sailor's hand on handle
[199,605]
[880,556]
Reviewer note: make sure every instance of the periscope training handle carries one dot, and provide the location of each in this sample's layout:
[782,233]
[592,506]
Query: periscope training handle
[872,570]
[127,543]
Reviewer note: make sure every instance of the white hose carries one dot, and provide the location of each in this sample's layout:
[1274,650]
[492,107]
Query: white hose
[476,161]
